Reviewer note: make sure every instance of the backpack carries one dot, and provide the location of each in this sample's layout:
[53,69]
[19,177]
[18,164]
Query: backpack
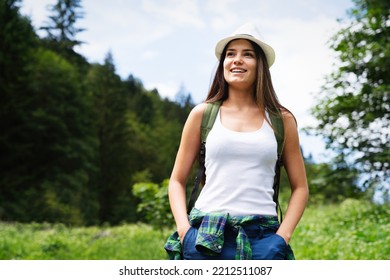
[208,120]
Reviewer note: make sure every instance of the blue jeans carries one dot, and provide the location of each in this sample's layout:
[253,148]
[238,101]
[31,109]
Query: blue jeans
[265,243]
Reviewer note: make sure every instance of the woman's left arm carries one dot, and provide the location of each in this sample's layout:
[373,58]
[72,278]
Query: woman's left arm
[295,168]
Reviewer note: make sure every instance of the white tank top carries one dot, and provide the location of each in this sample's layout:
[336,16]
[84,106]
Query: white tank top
[240,170]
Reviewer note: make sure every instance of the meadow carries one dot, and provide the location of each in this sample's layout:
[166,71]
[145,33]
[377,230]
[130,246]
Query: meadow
[352,230]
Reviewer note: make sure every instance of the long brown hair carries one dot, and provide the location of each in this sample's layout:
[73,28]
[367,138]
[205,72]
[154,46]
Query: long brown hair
[264,93]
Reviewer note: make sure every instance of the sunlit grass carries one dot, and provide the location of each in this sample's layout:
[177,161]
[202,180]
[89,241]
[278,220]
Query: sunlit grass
[47,242]
[353,230]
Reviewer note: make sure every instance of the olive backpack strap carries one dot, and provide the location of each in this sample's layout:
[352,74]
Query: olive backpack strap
[277,124]
[208,120]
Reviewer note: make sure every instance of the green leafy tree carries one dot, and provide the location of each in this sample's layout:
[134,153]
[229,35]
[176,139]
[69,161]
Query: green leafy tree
[156,124]
[111,101]
[353,107]
[46,142]
[75,137]
[51,149]
[328,182]
[331,183]
[61,141]
[154,203]
[17,44]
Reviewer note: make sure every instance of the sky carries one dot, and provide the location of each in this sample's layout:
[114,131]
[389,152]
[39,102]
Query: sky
[169,44]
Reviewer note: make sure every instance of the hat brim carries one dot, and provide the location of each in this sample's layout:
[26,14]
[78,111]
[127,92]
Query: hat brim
[268,50]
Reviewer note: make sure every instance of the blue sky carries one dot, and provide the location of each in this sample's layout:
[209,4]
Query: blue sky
[169,44]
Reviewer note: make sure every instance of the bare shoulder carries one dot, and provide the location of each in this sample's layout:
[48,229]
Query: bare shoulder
[199,109]
[197,112]
[194,119]
[288,118]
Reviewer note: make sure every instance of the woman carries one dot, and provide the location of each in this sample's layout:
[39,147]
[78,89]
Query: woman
[235,216]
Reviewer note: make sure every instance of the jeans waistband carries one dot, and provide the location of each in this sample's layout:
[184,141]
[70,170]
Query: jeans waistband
[251,230]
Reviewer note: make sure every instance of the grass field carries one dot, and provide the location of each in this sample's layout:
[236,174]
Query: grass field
[349,231]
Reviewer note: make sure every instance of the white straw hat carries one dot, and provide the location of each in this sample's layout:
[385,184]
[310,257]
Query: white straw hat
[247,31]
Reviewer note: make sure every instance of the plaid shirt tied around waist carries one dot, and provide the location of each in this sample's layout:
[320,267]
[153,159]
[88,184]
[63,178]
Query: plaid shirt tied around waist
[211,230]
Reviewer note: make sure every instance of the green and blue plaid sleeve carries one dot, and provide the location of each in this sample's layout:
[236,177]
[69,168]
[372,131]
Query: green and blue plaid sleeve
[210,236]
[173,247]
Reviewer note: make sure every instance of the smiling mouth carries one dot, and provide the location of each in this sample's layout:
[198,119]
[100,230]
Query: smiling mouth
[237,70]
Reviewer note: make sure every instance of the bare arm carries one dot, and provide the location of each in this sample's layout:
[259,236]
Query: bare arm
[295,167]
[186,155]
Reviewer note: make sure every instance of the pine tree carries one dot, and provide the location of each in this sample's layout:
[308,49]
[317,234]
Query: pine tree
[61,27]
[18,43]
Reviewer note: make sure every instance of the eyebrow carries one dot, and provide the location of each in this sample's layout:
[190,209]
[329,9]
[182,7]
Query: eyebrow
[245,50]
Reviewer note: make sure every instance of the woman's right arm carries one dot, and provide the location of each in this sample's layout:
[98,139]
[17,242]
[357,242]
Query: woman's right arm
[186,155]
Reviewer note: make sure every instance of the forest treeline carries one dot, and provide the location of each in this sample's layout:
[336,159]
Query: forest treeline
[75,136]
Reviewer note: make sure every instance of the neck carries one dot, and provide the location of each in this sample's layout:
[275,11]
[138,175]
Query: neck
[240,98]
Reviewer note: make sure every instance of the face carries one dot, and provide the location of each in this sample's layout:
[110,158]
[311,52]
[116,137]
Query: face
[240,64]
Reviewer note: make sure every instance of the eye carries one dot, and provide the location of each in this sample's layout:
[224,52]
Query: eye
[249,54]
[230,54]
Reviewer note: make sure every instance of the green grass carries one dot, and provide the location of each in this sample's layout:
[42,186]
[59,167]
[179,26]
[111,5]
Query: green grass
[57,242]
[350,231]
[353,230]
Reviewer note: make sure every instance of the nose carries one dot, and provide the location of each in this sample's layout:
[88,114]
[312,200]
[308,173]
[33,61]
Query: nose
[237,60]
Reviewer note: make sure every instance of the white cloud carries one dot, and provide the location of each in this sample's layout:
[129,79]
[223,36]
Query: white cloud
[223,16]
[302,60]
[176,12]
[167,89]
[120,24]
[37,11]
[149,54]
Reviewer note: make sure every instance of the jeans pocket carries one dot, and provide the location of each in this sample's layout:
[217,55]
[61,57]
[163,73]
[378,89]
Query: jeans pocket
[269,247]
[278,247]
[281,239]
[186,236]
[188,247]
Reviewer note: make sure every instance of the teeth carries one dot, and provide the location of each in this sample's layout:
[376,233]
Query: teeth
[237,71]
